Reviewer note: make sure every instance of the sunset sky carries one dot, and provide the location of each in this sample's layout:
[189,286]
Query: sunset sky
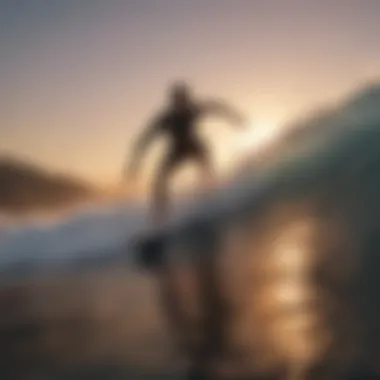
[78,78]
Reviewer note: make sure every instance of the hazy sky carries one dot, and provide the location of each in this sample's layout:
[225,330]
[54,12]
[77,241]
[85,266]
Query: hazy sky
[78,78]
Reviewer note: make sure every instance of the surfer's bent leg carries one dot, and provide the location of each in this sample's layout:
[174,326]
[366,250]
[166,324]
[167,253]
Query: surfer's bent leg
[160,197]
[202,157]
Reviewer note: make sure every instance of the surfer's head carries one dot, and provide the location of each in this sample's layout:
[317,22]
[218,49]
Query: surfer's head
[180,94]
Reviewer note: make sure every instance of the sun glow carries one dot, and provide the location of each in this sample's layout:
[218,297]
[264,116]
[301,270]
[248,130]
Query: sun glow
[258,135]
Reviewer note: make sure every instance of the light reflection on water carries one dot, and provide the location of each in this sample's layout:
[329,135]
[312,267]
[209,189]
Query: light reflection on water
[280,319]
[296,321]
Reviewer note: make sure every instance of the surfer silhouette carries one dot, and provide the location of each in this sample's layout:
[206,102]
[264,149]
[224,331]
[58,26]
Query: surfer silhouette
[178,122]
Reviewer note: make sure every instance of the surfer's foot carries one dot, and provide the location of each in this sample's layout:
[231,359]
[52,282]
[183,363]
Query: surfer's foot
[149,253]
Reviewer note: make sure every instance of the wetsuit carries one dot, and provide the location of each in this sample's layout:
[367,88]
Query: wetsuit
[180,128]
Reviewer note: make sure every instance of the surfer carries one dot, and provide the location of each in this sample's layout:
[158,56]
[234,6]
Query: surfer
[178,122]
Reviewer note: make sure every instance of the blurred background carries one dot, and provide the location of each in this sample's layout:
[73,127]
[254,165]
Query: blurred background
[294,214]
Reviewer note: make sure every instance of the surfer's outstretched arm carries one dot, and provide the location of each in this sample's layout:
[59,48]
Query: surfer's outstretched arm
[220,108]
[142,143]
